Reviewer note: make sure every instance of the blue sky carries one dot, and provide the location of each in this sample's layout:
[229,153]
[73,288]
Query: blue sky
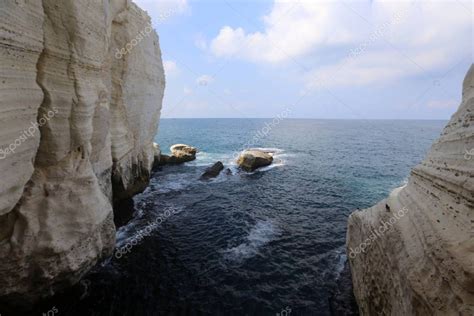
[321,59]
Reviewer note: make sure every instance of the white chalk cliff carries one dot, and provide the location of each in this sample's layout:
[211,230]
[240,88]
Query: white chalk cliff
[424,264]
[97,111]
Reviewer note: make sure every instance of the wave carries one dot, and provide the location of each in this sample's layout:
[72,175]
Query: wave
[341,261]
[263,232]
[151,218]
[206,159]
[270,150]
[173,183]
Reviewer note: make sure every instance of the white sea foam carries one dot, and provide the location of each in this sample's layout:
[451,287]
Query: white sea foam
[140,221]
[171,182]
[205,159]
[261,234]
[270,150]
[341,261]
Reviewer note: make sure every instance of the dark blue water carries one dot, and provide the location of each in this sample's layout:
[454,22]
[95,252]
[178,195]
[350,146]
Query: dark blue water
[252,243]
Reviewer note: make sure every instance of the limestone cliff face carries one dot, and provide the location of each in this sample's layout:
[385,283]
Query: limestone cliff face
[419,243]
[77,120]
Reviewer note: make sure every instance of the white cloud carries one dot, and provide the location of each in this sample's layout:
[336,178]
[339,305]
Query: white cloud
[160,9]
[204,80]
[427,36]
[171,68]
[292,29]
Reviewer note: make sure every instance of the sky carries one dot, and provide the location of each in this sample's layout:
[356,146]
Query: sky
[345,59]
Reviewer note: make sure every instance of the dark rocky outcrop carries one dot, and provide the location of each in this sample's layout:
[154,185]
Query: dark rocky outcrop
[213,171]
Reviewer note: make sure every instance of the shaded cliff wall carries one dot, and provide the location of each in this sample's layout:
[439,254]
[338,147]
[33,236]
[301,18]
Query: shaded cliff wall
[413,253]
[77,125]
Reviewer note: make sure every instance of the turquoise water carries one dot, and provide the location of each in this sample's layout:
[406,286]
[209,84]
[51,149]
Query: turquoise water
[363,160]
[253,243]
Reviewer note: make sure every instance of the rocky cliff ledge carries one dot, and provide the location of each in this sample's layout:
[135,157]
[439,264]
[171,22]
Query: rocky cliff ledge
[413,254]
[81,86]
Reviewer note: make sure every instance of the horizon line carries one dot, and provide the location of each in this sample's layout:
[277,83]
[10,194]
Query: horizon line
[302,118]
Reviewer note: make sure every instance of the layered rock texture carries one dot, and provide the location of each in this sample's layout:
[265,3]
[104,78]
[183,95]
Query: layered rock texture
[81,85]
[413,254]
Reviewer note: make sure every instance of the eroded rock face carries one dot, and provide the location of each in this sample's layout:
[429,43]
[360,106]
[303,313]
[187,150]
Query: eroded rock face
[422,262]
[250,160]
[97,116]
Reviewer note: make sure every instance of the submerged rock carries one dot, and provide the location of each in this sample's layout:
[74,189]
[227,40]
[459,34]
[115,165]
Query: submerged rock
[213,171]
[250,160]
[413,254]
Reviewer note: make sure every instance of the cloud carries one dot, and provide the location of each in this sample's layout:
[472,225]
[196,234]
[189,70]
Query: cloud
[354,42]
[204,80]
[292,29]
[164,8]
[171,68]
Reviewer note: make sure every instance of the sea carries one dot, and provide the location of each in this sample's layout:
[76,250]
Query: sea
[268,242]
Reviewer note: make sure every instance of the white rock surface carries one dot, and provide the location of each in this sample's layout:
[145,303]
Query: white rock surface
[424,265]
[58,61]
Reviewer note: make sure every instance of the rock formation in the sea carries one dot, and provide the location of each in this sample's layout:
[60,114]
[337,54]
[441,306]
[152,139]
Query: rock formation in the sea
[181,149]
[180,153]
[213,171]
[81,88]
[413,253]
[250,160]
